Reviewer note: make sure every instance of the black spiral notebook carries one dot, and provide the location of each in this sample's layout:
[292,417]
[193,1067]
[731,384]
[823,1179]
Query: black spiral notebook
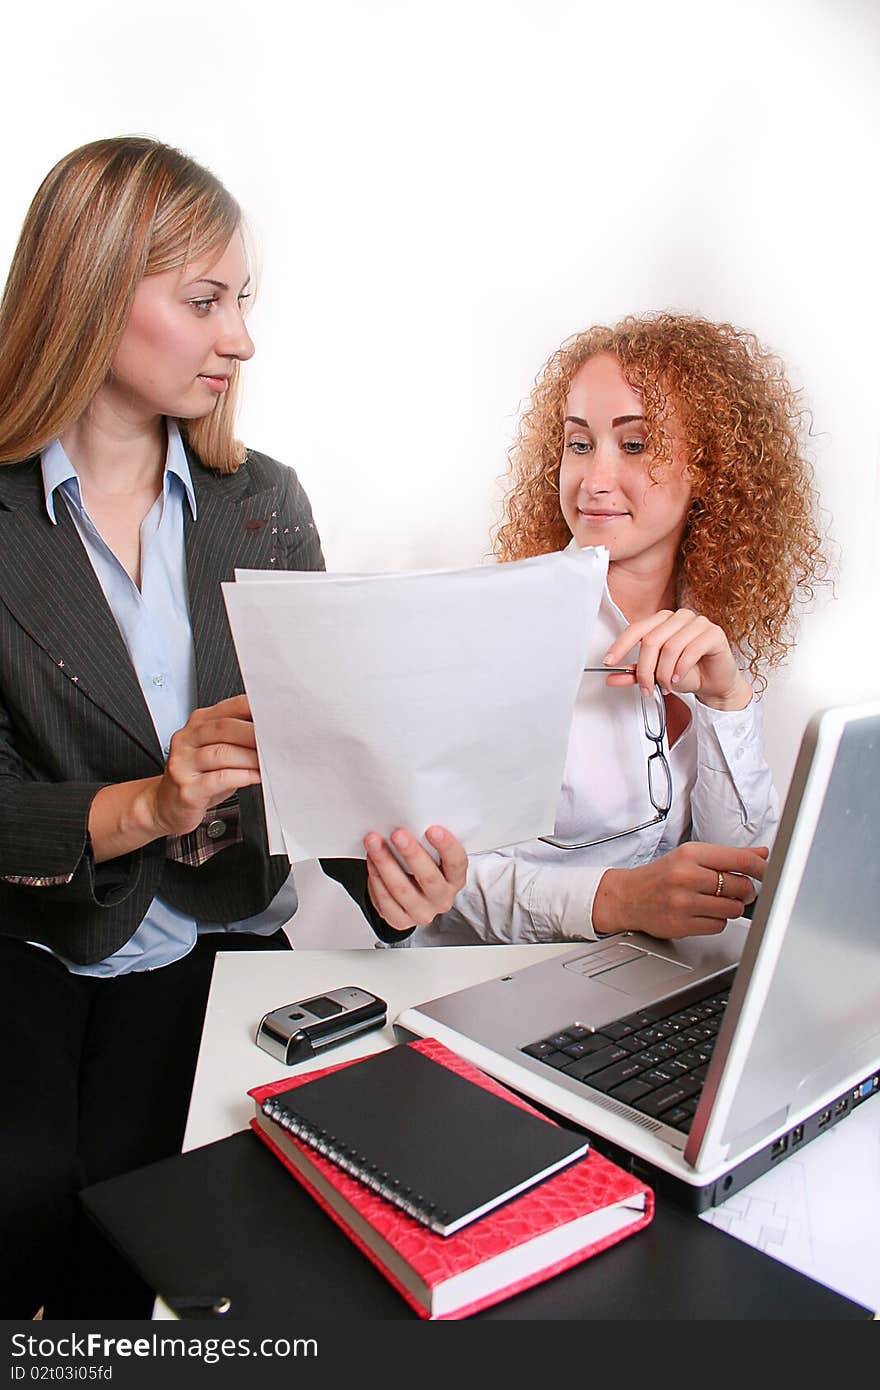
[434,1143]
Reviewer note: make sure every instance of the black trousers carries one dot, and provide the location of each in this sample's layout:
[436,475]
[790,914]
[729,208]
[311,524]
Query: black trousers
[95,1079]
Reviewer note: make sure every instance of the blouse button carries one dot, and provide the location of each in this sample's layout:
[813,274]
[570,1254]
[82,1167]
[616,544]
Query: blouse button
[216,828]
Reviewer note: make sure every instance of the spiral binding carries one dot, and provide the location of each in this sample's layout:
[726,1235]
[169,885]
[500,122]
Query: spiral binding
[347,1158]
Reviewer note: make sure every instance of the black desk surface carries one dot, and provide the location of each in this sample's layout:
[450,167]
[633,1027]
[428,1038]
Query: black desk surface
[228,1219]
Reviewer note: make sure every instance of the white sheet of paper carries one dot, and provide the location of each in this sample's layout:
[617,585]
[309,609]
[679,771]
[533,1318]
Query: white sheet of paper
[431,696]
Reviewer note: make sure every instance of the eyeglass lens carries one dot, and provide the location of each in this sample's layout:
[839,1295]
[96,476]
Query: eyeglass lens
[654,714]
[659,775]
[660,783]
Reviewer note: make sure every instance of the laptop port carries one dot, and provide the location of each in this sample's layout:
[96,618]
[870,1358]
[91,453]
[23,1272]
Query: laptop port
[842,1106]
[797,1135]
[778,1149]
[824,1118]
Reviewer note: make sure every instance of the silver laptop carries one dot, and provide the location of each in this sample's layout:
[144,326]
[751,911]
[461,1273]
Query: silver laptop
[702,1063]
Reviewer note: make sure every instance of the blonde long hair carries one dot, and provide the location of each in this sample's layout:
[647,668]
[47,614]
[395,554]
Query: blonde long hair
[752,546]
[108,214]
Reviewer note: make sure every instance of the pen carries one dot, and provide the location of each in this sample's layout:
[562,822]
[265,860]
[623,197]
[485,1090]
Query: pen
[613,670]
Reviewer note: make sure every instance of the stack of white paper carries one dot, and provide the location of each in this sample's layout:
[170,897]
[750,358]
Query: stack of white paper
[428,697]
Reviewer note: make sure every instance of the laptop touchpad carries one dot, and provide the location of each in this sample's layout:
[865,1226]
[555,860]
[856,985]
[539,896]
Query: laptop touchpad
[639,976]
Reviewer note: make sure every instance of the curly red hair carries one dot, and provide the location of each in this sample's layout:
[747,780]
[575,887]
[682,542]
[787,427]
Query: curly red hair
[751,545]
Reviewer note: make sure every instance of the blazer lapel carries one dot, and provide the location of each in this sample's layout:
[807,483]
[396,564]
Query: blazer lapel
[49,585]
[235,529]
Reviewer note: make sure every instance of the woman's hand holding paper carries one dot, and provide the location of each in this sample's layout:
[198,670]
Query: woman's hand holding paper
[414,898]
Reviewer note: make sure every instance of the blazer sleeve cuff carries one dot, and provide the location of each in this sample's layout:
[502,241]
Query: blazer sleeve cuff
[46,848]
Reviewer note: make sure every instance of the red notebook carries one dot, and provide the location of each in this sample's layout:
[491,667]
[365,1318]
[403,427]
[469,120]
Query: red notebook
[566,1218]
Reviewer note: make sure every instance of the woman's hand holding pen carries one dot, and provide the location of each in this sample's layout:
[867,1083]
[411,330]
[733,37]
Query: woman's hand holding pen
[681,652]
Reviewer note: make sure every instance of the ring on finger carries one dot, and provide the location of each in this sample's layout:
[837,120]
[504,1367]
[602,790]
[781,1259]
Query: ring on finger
[719,891]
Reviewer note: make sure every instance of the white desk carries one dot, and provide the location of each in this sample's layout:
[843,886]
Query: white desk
[818,1212]
[247,984]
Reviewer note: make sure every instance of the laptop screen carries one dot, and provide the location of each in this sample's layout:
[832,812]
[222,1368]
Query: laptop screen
[807,994]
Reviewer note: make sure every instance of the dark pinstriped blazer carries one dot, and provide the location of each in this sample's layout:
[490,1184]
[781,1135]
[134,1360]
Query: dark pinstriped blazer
[73,717]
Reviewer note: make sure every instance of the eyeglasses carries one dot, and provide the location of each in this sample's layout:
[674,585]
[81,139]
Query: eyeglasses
[659,772]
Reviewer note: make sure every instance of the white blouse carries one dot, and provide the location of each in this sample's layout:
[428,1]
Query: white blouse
[722,793]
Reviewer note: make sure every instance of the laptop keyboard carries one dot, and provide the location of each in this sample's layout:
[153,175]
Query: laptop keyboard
[654,1060]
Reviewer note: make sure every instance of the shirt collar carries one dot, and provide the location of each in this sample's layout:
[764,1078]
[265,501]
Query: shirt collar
[58,471]
[177,463]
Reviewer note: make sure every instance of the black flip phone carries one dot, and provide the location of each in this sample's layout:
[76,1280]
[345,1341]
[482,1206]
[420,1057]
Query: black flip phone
[306,1028]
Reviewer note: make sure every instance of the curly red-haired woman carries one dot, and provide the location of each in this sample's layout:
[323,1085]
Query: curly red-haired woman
[675,443]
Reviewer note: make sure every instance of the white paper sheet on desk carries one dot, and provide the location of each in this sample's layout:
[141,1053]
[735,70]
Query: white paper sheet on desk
[437,696]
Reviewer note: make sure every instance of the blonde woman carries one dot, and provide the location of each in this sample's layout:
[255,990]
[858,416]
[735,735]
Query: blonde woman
[132,842]
[674,442]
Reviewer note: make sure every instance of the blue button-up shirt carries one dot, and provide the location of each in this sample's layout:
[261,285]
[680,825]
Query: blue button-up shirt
[155,625]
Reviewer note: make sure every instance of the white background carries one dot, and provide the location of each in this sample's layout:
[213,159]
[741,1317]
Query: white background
[441,193]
